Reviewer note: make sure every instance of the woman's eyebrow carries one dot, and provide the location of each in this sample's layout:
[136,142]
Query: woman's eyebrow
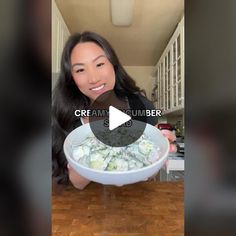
[81,64]
[98,57]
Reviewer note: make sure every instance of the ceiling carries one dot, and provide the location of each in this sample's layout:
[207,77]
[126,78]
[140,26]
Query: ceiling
[140,44]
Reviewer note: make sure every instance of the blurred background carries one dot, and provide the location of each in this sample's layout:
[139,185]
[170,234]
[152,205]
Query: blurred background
[210,186]
[25,98]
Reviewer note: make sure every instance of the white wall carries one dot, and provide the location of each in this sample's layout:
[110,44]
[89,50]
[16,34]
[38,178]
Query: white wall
[60,34]
[142,76]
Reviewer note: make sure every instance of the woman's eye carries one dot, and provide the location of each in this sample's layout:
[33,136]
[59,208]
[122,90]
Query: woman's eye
[100,64]
[79,70]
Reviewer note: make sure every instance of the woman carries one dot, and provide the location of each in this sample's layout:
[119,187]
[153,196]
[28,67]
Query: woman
[89,67]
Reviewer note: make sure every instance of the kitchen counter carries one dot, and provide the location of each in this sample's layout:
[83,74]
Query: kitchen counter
[146,208]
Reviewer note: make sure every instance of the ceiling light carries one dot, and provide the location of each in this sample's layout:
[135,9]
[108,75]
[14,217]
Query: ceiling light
[122,12]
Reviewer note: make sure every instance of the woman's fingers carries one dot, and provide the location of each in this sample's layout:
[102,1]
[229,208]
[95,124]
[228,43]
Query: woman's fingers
[168,134]
[173,148]
[171,137]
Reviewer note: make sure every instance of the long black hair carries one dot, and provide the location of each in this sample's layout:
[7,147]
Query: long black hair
[67,97]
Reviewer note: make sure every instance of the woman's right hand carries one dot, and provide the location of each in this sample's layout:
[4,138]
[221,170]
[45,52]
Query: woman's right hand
[77,180]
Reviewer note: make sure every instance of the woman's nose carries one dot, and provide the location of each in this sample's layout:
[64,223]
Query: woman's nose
[93,76]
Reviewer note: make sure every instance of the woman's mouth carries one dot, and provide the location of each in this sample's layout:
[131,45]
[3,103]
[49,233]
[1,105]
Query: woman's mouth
[97,89]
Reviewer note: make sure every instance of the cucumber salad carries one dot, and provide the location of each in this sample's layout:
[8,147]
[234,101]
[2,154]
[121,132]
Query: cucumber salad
[94,154]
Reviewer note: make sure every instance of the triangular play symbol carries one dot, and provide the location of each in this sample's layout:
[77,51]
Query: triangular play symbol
[117,118]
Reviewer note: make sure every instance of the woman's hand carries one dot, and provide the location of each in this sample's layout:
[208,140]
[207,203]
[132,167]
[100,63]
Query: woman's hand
[77,180]
[171,137]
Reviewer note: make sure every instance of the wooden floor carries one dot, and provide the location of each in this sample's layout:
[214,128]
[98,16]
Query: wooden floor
[142,209]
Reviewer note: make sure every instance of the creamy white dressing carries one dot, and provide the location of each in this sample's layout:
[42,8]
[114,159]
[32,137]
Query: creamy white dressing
[96,155]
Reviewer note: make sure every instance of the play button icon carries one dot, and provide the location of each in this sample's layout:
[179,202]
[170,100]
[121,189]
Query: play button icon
[117,118]
[112,124]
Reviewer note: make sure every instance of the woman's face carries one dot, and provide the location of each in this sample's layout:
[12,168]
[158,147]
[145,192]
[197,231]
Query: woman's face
[91,70]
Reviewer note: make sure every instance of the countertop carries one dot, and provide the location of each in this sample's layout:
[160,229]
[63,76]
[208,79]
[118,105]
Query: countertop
[148,208]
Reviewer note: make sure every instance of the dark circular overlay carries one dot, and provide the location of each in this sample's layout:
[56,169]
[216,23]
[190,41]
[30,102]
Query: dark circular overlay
[123,135]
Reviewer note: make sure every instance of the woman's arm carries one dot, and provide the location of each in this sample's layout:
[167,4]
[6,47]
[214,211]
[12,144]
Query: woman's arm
[77,180]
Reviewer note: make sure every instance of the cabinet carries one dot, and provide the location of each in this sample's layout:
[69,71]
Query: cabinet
[169,83]
[60,34]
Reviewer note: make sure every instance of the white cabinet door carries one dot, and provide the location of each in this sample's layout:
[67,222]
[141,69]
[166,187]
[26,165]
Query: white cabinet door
[178,72]
[167,81]
[162,86]
[170,73]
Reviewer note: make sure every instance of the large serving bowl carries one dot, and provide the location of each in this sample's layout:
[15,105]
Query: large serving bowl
[118,178]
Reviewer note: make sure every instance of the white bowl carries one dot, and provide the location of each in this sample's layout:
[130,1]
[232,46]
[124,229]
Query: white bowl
[118,178]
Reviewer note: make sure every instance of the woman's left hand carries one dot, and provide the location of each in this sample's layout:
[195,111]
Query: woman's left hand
[171,137]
